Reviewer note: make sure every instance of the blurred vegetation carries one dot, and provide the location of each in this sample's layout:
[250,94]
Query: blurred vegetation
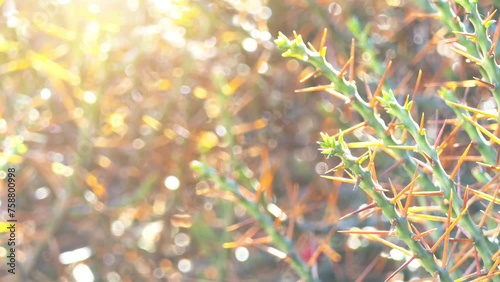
[105,104]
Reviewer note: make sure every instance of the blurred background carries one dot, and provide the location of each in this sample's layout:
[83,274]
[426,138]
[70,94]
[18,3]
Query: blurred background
[104,105]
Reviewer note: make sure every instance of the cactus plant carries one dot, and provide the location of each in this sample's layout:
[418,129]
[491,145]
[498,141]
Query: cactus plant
[419,158]
[432,216]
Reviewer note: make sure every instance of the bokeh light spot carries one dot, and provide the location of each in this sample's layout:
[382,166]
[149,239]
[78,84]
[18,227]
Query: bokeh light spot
[200,93]
[42,193]
[242,254]
[208,140]
[172,182]
[3,125]
[249,44]
[75,255]
[45,93]
[185,265]
[89,97]
[138,144]
[394,3]
[61,169]
[182,239]
[334,9]
[353,242]
[83,273]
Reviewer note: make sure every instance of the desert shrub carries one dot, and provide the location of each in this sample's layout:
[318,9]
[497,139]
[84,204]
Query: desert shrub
[424,156]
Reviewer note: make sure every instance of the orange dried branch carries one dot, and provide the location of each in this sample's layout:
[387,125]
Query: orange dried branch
[351,129]
[369,94]
[387,243]
[327,88]
[368,269]
[429,46]
[487,84]
[446,240]
[402,84]
[495,219]
[489,17]
[391,125]
[421,238]
[466,197]
[486,278]
[496,255]
[426,156]
[381,84]
[365,232]
[397,201]
[338,95]
[371,163]
[479,113]
[485,196]
[312,47]
[401,267]
[455,84]
[402,192]
[476,260]
[395,165]
[314,88]
[403,147]
[427,193]
[467,56]
[239,224]
[460,161]
[462,240]
[309,76]
[495,132]
[365,144]
[495,266]
[323,39]
[408,200]
[495,231]
[448,230]
[425,167]
[415,90]
[466,159]
[341,179]
[413,16]
[422,124]
[248,242]
[447,41]
[325,249]
[488,208]
[370,206]
[424,209]
[452,134]
[470,36]
[336,168]
[351,68]
[345,67]
[462,259]
[495,168]
[439,135]
[330,253]
[423,217]
[494,41]
[251,232]
[470,276]
[266,179]
[423,234]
